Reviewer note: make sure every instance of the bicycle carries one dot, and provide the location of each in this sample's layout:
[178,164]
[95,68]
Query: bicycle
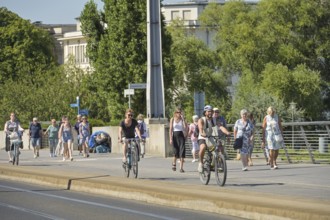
[215,161]
[16,143]
[132,157]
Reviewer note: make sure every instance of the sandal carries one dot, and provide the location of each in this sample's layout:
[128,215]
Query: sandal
[173,166]
[181,171]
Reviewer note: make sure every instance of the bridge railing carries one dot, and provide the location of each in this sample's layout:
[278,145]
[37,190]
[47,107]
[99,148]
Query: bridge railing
[303,142]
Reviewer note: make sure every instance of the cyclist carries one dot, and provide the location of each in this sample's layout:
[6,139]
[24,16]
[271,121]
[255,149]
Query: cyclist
[127,129]
[207,128]
[12,125]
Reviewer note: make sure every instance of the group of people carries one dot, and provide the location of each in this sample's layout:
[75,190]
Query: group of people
[272,136]
[60,136]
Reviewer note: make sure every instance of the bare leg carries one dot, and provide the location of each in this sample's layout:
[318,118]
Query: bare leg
[271,158]
[9,155]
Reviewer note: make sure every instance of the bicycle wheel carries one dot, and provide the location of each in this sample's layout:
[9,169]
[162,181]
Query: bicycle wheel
[206,174]
[135,164]
[220,168]
[127,166]
[17,154]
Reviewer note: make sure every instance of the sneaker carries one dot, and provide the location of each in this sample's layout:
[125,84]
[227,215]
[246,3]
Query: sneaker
[244,169]
[193,161]
[275,167]
[35,156]
[200,168]
[63,158]
[38,154]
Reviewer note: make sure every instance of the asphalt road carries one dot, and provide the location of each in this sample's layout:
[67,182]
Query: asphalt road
[300,190]
[33,202]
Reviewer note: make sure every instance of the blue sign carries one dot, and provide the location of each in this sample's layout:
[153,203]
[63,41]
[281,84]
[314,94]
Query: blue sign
[73,105]
[83,112]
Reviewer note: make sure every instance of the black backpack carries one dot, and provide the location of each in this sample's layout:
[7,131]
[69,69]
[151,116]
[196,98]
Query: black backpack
[196,131]
[141,128]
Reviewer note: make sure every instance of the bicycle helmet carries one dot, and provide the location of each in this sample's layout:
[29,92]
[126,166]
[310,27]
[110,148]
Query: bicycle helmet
[208,108]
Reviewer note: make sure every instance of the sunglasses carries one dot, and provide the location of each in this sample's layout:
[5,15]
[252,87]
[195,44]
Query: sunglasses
[129,115]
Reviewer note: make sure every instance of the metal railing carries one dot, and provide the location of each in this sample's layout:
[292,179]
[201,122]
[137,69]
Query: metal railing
[303,142]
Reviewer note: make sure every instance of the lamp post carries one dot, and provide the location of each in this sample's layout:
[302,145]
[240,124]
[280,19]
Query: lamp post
[293,107]
[78,104]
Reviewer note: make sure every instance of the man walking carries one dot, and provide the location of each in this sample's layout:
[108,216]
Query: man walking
[35,133]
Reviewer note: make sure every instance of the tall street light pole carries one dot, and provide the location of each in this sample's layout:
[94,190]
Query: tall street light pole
[293,107]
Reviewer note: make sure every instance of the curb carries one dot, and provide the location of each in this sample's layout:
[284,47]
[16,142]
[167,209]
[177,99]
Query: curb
[200,198]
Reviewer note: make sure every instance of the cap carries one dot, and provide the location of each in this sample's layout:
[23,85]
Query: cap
[195,117]
[208,108]
[215,109]
[35,119]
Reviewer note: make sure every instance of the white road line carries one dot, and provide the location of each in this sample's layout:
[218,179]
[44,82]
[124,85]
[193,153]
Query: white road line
[30,211]
[92,203]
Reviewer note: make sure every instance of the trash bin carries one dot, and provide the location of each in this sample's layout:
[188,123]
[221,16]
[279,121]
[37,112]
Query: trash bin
[323,144]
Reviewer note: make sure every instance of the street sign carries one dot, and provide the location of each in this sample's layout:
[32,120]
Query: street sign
[128,92]
[83,112]
[73,105]
[137,86]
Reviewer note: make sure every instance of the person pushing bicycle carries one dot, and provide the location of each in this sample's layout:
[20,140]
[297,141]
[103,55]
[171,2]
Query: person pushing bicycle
[127,129]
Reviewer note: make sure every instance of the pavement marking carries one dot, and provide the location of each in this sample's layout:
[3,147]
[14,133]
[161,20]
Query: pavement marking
[92,203]
[30,211]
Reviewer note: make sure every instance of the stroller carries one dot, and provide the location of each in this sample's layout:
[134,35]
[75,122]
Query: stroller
[100,142]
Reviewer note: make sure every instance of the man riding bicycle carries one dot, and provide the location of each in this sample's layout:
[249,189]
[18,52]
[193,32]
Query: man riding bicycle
[207,129]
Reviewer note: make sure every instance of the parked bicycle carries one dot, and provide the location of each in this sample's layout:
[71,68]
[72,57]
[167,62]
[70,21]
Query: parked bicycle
[215,161]
[132,157]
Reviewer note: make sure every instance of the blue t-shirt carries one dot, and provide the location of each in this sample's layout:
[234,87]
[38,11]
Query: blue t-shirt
[35,130]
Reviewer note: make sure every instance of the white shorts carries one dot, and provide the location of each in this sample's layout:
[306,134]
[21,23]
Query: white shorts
[195,146]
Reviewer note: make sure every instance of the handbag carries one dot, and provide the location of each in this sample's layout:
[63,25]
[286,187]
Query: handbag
[13,136]
[238,144]
[278,138]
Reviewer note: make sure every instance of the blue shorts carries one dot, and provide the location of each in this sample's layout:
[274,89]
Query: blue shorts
[35,142]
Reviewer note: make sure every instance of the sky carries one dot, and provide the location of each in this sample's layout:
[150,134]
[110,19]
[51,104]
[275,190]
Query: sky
[52,11]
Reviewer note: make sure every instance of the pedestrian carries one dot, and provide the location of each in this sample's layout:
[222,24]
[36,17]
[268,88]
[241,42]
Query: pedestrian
[194,140]
[127,129]
[52,132]
[76,127]
[65,134]
[13,125]
[244,128]
[178,133]
[251,119]
[272,136]
[35,133]
[220,121]
[84,133]
[143,132]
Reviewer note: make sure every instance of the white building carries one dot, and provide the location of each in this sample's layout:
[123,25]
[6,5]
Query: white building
[72,42]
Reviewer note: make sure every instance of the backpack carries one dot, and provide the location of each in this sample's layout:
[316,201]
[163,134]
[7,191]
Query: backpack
[141,128]
[196,131]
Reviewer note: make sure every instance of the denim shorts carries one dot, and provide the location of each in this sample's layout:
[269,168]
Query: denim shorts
[35,142]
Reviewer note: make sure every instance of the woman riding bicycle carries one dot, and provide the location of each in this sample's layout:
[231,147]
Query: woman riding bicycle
[12,126]
[127,129]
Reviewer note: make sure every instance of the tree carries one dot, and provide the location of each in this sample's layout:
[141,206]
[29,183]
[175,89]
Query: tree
[121,56]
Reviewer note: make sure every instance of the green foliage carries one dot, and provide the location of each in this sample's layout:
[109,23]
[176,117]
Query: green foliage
[277,46]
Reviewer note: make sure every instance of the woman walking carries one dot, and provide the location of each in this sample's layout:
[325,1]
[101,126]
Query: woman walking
[84,132]
[52,132]
[244,128]
[178,132]
[272,136]
[65,134]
